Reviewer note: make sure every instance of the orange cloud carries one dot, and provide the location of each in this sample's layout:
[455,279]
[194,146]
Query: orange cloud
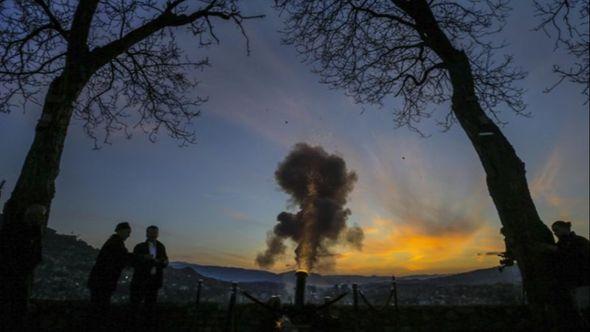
[404,249]
[425,224]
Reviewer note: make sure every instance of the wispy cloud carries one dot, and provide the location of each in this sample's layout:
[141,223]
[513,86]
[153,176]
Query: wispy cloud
[547,187]
[243,218]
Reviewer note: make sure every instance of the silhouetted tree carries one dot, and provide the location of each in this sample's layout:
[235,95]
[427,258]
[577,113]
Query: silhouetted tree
[113,64]
[566,21]
[434,52]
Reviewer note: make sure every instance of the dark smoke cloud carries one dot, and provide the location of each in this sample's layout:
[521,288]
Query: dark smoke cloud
[355,237]
[319,184]
[275,248]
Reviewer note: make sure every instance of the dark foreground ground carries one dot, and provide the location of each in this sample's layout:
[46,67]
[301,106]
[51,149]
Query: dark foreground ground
[72,316]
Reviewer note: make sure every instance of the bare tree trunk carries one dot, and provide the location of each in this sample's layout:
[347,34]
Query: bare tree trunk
[20,241]
[523,229]
[507,185]
[505,175]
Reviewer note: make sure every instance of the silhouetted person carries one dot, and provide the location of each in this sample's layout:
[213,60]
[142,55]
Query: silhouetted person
[23,241]
[573,262]
[148,273]
[111,260]
[571,269]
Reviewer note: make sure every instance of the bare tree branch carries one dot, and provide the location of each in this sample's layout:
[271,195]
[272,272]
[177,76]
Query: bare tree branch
[137,74]
[374,50]
[566,21]
[55,22]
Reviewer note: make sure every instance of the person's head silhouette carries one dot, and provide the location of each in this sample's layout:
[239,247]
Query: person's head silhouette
[561,228]
[123,229]
[152,233]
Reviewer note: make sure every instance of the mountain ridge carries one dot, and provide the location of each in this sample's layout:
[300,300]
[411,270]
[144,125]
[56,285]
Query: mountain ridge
[490,275]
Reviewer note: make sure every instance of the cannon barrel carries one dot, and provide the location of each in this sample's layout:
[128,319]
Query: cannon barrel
[301,276]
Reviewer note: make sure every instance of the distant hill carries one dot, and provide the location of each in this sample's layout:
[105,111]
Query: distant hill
[67,261]
[64,269]
[329,280]
[230,274]
[509,275]
[487,276]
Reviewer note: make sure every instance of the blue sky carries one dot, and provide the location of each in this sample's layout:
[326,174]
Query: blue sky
[214,201]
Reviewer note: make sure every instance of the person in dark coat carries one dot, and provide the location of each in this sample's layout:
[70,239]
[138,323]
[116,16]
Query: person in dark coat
[571,270]
[111,260]
[23,242]
[148,272]
[572,255]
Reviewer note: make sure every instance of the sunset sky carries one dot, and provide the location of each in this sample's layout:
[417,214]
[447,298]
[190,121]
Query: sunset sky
[422,202]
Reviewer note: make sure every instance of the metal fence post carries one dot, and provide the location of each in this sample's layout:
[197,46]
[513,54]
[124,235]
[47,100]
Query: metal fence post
[355,297]
[199,286]
[229,322]
[394,290]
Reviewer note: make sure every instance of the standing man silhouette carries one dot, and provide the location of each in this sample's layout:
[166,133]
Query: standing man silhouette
[111,260]
[148,272]
[572,262]
[571,269]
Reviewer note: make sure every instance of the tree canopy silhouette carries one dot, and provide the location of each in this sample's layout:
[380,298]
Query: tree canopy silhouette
[113,64]
[375,50]
[134,74]
[566,22]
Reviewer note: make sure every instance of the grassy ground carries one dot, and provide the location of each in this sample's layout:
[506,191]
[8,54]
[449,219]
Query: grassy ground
[72,316]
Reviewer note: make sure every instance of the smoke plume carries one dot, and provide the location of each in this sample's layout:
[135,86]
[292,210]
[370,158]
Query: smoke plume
[319,184]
